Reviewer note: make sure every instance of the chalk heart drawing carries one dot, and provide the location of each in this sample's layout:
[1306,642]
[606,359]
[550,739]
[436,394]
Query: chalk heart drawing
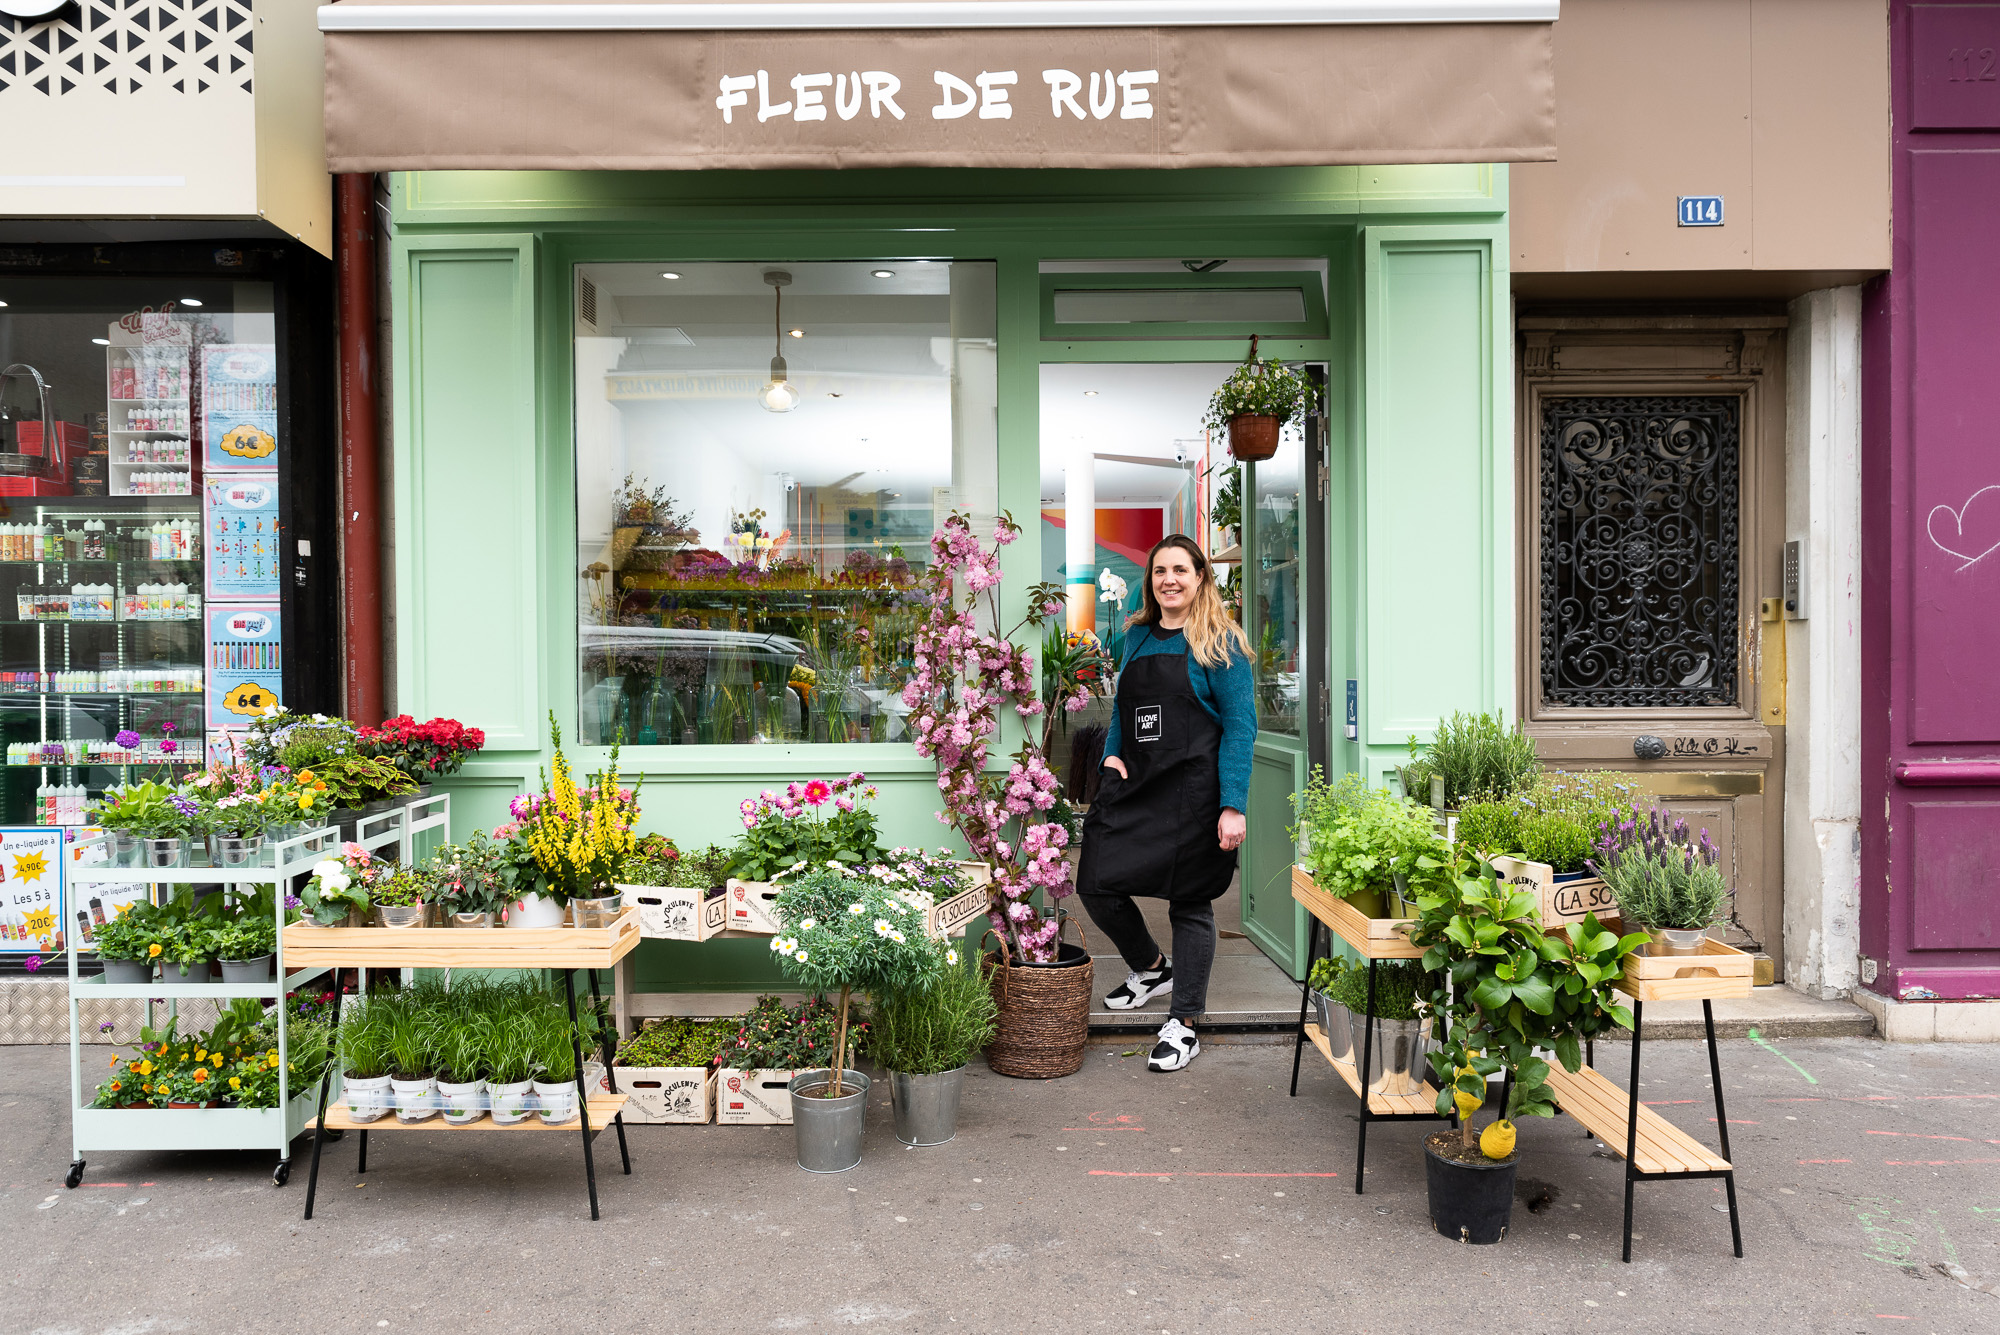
[1972,531]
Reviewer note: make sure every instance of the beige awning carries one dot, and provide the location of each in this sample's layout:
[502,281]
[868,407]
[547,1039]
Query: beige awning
[683,84]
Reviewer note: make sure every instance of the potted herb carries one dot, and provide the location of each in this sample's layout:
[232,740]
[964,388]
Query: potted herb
[365,1059]
[1254,404]
[1505,989]
[850,932]
[1665,883]
[412,1036]
[130,945]
[279,738]
[399,898]
[1472,757]
[1402,1023]
[924,1036]
[247,947]
[1323,982]
[580,840]
[1366,843]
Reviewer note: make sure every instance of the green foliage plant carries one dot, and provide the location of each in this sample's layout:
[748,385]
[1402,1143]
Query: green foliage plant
[403,888]
[1479,757]
[1372,835]
[938,1025]
[1402,990]
[1559,842]
[135,808]
[1326,973]
[1489,827]
[248,936]
[1503,988]
[470,877]
[676,1041]
[355,781]
[852,932]
[132,934]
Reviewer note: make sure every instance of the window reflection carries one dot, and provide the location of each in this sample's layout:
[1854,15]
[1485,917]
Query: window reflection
[1273,575]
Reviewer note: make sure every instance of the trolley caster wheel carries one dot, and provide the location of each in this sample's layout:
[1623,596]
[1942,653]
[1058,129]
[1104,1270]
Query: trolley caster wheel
[75,1177]
[283,1173]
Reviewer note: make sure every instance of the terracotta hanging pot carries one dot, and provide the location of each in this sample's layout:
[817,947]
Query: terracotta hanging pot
[1254,436]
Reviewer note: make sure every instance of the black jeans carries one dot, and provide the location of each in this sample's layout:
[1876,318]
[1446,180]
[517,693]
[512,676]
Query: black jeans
[1194,944]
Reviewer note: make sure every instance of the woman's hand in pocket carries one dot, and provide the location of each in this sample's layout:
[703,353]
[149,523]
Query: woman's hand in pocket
[1116,766]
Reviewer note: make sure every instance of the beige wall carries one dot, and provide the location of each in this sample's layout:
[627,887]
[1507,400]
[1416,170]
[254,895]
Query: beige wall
[1780,106]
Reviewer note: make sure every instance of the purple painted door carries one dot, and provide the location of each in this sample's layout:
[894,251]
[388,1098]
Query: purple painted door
[1931,523]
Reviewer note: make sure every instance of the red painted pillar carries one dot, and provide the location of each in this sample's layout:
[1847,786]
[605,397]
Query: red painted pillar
[360,443]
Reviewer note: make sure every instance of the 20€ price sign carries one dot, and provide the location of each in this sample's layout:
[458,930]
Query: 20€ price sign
[32,905]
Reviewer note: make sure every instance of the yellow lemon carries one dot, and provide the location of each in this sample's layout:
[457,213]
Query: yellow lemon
[1468,1104]
[1497,1140]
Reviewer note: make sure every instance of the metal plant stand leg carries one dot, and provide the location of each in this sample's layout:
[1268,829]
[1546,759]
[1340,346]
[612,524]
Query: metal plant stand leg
[1722,1125]
[582,1097]
[1305,999]
[1632,1121]
[610,1073]
[362,1167]
[1367,1059]
[325,1088]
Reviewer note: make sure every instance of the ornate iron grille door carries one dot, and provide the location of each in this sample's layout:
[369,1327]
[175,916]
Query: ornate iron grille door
[1639,519]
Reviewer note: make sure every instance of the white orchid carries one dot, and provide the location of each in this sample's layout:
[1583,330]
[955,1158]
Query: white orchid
[1113,585]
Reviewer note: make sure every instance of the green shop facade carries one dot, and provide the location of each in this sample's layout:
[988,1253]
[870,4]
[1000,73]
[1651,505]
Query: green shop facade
[669,440]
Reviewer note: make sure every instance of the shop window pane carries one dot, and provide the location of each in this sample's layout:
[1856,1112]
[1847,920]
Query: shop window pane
[762,454]
[1269,305]
[1272,571]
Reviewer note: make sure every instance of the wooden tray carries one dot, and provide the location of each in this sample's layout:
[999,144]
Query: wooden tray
[1719,971]
[462,947]
[1372,938]
[603,1107]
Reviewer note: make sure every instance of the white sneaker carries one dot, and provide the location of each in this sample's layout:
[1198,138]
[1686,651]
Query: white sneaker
[1177,1047]
[1141,987]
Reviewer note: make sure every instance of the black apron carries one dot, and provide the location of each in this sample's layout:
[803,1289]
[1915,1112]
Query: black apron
[1153,832]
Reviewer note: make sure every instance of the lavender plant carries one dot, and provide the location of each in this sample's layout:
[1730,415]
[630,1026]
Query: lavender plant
[1660,877]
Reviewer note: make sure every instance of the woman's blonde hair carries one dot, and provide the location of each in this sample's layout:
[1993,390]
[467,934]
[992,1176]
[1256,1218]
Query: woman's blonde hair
[1212,637]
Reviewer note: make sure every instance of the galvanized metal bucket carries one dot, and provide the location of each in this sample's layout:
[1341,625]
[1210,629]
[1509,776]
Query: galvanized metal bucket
[469,920]
[163,852]
[829,1130]
[233,852]
[1396,1066]
[1673,941]
[925,1106]
[1334,1024]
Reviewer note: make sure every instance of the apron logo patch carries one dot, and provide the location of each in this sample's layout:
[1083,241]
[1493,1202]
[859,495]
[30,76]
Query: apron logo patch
[1146,723]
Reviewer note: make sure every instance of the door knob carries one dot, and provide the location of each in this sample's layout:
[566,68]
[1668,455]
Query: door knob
[1649,747]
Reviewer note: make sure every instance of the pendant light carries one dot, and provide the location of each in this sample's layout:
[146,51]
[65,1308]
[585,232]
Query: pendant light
[777,395]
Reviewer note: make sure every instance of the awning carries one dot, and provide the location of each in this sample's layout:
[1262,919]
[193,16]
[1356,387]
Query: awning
[683,84]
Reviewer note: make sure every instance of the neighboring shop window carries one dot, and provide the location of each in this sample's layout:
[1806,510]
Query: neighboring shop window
[1271,571]
[139,578]
[1639,551]
[763,452]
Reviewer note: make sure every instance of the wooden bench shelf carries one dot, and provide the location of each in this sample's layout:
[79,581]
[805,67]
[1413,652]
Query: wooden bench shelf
[1371,938]
[1422,1104]
[602,1108]
[463,948]
[1601,1106]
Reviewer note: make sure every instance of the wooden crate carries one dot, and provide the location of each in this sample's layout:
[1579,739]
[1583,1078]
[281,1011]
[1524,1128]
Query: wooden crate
[1371,938]
[1561,901]
[1719,971]
[462,947]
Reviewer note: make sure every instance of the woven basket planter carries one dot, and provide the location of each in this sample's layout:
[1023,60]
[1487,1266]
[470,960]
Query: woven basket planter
[1044,1012]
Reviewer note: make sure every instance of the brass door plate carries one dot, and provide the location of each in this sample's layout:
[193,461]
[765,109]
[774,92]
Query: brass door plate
[1699,783]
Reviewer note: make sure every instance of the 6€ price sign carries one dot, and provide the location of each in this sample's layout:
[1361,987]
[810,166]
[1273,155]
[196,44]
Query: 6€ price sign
[31,890]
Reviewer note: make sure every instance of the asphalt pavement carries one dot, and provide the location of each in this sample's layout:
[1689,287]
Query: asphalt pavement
[1114,1200]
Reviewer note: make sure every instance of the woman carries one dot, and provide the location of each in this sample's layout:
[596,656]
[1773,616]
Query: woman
[1168,819]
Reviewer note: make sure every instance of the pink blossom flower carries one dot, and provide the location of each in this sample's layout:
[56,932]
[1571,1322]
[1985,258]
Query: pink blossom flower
[817,792]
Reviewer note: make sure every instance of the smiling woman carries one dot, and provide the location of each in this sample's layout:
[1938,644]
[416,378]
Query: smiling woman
[763,451]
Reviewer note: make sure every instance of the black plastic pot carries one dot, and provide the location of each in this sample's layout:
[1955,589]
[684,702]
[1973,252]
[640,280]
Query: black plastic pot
[1470,1202]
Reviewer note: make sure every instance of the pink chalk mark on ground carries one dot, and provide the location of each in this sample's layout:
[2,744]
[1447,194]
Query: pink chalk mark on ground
[1111,1172]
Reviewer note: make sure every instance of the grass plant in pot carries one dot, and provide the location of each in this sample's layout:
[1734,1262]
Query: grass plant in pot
[846,932]
[365,1059]
[1504,990]
[1666,884]
[412,1036]
[1254,404]
[510,1053]
[924,1036]
[555,1042]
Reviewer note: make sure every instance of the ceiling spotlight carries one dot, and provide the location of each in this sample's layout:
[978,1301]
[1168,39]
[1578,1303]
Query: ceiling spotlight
[885,273]
[3,305]
[1090,393]
[797,333]
[101,342]
[777,395]
[669,273]
[191,301]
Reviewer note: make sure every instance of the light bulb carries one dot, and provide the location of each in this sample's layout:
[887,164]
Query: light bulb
[778,396]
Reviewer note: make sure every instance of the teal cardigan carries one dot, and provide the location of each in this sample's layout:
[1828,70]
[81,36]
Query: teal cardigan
[1227,694]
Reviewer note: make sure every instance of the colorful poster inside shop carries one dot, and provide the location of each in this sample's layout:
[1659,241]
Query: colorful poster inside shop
[239,406]
[241,518]
[245,663]
[31,890]
[90,907]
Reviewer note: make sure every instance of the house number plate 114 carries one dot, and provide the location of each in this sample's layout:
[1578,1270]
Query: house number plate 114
[1701,210]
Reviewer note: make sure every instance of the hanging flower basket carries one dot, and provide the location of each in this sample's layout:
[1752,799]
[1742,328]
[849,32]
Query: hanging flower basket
[1254,436]
[1255,403]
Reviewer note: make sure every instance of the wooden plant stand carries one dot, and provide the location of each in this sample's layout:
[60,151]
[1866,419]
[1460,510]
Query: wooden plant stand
[1653,1148]
[1374,939]
[563,948]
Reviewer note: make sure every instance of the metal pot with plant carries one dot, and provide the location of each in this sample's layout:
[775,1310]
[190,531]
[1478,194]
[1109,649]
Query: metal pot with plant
[924,1036]
[1400,1013]
[1324,983]
[1504,990]
[399,898]
[1255,403]
[130,945]
[246,946]
[1666,882]
[365,1058]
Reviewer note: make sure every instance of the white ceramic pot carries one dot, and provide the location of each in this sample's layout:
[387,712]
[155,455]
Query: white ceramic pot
[416,1100]
[367,1100]
[558,1101]
[462,1102]
[530,911]
[506,1101]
